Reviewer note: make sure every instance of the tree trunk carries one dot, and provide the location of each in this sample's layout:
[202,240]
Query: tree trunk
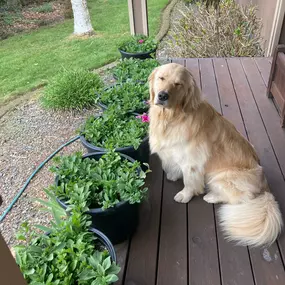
[82,22]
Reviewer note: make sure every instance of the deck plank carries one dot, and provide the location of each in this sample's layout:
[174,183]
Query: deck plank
[264,66]
[122,251]
[235,261]
[172,266]
[142,261]
[276,133]
[203,253]
[266,270]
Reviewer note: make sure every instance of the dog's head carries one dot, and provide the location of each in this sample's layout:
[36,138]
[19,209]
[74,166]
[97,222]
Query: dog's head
[173,87]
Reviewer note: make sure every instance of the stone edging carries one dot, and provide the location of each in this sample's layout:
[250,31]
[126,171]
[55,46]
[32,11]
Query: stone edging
[165,19]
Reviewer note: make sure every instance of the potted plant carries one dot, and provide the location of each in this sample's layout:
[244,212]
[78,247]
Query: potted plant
[110,186]
[138,46]
[67,253]
[128,96]
[134,69]
[126,132]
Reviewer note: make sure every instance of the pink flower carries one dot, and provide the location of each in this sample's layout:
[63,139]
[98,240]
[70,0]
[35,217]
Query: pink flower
[144,117]
[141,41]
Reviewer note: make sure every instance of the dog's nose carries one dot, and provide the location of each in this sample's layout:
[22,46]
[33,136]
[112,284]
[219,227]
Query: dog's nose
[162,96]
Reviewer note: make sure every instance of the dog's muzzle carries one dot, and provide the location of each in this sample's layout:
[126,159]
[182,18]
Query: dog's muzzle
[162,98]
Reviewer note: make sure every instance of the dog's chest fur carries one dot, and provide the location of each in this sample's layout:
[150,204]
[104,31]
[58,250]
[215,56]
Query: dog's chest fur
[164,134]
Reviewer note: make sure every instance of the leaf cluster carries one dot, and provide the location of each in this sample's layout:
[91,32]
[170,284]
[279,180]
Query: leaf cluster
[134,69]
[139,43]
[127,96]
[114,129]
[98,183]
[65,253]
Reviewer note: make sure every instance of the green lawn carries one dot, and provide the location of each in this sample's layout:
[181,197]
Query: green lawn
[28,60]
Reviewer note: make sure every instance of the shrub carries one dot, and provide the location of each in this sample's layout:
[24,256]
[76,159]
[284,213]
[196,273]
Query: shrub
[139,43]
[68,255]
[231,30]
[128,96]
[114,130]
[72,89]
[134,69]
[45,8]
[103,183]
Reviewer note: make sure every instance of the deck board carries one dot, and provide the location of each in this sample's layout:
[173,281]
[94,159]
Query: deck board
[266,271]
[235,261]
[142,259]
[179,244]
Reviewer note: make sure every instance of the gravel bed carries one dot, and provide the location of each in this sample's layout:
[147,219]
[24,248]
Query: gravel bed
[28,134]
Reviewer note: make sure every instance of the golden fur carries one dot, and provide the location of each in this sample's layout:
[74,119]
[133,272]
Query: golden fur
[195,142]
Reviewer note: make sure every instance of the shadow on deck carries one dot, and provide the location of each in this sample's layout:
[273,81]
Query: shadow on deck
[178,244]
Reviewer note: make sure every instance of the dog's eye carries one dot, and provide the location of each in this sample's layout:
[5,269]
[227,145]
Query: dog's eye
[177,83]
[161,78]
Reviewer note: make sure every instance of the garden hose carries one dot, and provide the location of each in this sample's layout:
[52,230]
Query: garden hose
[15,199]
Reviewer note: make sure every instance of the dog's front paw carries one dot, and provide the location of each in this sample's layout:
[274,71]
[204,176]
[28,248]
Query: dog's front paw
[172,177]
[183,196]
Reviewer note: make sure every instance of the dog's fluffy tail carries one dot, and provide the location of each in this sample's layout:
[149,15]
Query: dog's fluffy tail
[255,222]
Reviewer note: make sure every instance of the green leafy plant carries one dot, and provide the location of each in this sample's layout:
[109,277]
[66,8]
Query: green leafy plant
[44,8]
[72,89]
[98,183]
[66,253]
[139,43]
[134,69]
[127,96]
[222,30]
[115,129]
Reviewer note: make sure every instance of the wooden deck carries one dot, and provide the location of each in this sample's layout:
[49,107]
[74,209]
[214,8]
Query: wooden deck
[178,244]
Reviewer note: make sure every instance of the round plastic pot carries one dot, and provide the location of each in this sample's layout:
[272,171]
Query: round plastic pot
[106,243]
[117,223]
[141,154]
[140,55]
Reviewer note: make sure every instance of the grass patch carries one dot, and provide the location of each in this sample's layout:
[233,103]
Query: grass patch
[28,60]
[72,89]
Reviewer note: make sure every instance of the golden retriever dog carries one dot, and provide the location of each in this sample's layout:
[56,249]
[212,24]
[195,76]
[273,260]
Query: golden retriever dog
[196,143]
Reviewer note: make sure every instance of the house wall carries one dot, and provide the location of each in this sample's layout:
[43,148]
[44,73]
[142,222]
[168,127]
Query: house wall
[266,10]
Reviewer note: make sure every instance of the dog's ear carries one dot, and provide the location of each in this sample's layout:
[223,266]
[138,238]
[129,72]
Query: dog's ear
[193,96]
[150,80]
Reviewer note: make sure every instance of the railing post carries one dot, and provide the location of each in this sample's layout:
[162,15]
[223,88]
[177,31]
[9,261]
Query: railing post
[138,17]
[10,273]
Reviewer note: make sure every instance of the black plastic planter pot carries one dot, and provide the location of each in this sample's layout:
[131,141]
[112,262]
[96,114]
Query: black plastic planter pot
[117,223]
[140,55]
[141,154]
[106,243]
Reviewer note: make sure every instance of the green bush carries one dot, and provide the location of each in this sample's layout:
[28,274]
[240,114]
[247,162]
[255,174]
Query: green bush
[134,69]
[72,89]
[139,43]
[127,96]
[45,8]
[231,30]
[114,129]
[103,183]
